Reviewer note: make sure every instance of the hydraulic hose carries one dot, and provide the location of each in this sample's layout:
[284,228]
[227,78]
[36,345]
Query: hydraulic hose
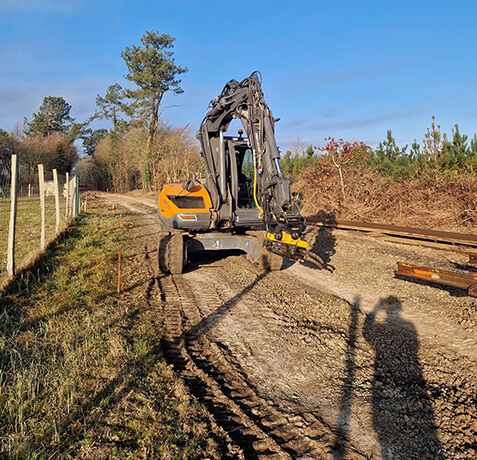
[255,189]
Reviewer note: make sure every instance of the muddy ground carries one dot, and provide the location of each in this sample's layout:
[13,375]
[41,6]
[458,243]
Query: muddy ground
[347,362]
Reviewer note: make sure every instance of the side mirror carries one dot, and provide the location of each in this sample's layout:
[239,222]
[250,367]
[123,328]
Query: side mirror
[187,185]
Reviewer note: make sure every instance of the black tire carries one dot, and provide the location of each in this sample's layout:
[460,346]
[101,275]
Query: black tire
[162,251]
[175,254]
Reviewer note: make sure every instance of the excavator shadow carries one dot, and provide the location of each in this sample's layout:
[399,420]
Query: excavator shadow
[321,240]
[207,258]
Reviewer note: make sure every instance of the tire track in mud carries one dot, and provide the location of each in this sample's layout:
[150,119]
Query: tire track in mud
[189,352]
[222,362]
[289,313]
[217,379]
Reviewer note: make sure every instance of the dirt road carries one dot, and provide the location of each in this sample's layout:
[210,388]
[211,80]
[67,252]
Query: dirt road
[347,362]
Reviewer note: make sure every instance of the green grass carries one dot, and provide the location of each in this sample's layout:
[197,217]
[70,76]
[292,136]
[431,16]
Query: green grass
[81,370]
[28,227]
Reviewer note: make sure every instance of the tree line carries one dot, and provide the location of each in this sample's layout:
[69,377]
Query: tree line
[48,138]
[437,154]
[138,151]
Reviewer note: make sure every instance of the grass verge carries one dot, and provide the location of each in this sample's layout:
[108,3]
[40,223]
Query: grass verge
[81,371]
[28,227]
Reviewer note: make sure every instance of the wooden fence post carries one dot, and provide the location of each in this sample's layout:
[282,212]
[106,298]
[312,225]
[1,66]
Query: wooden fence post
[77,195]
[72,197]
[57,200]
[67,195]
[41,181]
[13,217]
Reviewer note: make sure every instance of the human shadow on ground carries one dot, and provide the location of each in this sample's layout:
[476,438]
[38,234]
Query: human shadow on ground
[403,418]
[339,447]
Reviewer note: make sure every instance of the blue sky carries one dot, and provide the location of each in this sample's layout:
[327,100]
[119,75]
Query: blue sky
[349,69]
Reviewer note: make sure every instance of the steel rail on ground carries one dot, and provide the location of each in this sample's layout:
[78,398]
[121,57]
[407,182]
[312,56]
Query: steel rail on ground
[462,243]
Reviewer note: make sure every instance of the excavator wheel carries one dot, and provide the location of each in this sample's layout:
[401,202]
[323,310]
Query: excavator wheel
[175,262]
[162,251]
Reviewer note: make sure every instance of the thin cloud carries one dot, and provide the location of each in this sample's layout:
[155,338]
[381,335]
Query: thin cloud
[22,100]
[44,6]
[318,125]
[316,130]
[307,84]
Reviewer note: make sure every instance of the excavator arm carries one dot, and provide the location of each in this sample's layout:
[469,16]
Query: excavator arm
[271,190]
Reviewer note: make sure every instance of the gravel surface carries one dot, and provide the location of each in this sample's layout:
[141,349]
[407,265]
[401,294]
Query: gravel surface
[344,362]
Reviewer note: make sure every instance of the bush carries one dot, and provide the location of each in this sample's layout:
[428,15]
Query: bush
[121,160]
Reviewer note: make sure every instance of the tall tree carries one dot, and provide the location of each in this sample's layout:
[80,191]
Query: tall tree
[53,117]
[152,68]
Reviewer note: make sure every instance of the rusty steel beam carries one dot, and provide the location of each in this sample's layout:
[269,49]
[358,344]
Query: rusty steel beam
[419,242]
[447,278]
[448,238]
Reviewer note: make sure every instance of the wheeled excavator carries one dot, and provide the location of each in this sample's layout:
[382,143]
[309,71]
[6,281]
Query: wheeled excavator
[244,202]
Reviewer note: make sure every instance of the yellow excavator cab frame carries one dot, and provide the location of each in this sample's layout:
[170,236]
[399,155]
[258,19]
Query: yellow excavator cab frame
[184,209]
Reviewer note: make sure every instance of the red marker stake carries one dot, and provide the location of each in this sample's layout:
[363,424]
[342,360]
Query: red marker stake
[119,273]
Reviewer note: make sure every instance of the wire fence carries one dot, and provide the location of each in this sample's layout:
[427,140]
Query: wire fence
[5,183]
[44,205]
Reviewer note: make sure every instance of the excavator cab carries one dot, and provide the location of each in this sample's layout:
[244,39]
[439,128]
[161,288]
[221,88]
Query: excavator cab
[187,205]
[243,156]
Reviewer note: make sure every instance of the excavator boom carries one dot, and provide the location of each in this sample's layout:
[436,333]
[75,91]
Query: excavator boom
[271,190]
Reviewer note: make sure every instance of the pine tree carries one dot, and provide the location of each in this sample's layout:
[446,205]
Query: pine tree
[388,149]
[152,68]
[53,117]
[111,106]
[433,142]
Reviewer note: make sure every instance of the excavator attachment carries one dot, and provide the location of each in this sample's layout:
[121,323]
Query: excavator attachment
[286,246]
[294,249]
